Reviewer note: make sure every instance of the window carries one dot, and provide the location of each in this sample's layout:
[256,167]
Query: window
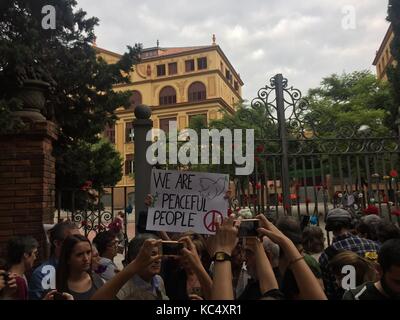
[135,99]
[197,92]
[129,132]
[228,74]
[236,86]
[164,124]
[129,164]
[172,68]
[109,133]
[189,65]
[198,121]
[167,96]
[161,70]
[202,63]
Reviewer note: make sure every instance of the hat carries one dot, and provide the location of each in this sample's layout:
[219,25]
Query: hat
[337,215]
[371,219]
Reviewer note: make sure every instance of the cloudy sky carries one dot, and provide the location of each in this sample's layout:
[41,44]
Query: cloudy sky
[305,40]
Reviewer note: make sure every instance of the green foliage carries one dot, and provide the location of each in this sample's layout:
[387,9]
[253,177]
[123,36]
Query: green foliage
[350,100]
[393,72]
[82,101]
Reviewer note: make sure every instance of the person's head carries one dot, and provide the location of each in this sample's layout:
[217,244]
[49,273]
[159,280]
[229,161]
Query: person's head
[237,256]
[338,221]
[250,256]
[365,269]
[366,227]
[386,230]
[95,258]
[75,258]
[133,250]
[313,239]
[291,228]
[58,233]
[201,248]
[22,249]
[107,244]
[389,266]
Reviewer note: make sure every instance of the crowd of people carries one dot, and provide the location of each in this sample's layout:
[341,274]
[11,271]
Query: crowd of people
[282,262]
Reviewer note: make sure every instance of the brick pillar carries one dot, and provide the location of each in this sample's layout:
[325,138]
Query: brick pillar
[27,183]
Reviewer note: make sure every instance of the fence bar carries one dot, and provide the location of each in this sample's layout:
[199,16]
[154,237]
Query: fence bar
[305,185]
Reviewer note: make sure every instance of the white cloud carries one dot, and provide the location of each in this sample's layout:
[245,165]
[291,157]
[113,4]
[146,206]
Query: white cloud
[257,55]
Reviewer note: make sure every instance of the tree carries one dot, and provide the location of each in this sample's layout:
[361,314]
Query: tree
[393,72]
[349,101]
[82,100]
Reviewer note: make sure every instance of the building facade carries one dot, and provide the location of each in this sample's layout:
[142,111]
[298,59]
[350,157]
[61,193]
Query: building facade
[178,84]
[383,57]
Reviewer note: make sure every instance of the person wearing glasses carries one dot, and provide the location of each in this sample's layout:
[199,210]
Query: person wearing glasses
[106,243]
[22,251]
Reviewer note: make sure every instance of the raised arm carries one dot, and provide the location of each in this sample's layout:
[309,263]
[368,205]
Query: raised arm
[307,283]
[191,254]
[224,241]
[110,289]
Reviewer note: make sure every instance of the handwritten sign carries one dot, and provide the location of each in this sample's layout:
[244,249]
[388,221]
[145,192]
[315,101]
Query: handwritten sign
[187,201]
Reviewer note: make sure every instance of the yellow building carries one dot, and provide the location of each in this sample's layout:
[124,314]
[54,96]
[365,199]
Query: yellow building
[383,57]
[177,83]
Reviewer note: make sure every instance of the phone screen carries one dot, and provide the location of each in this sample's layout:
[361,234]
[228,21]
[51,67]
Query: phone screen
[248,228]
[171,248]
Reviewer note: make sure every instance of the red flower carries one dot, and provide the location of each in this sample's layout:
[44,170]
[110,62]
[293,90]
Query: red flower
[257,159]
[280,198]
[395,213]
[87,185]
[293,196]
[260,148]
[258,186]
[371,209]
[229,211]
[84,223]
[393,173]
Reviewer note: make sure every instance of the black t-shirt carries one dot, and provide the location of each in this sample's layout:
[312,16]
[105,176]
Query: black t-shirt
[366,291]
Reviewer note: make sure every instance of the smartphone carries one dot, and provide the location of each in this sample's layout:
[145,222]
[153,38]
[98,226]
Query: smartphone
[58,296]
[248,228]
[6,277]
[304,222]
[171,248]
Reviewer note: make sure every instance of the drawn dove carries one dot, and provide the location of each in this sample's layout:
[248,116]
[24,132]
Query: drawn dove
[211,188]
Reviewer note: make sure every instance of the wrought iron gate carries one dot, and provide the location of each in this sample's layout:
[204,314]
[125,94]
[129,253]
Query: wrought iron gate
[305,166]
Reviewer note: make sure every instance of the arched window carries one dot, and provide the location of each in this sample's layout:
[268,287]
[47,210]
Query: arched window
[167,96]
[197,92]
[135,99]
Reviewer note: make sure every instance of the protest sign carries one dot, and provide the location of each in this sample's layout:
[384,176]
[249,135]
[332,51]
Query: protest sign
[187,201]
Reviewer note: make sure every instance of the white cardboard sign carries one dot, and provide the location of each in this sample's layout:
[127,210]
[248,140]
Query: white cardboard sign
[187,201]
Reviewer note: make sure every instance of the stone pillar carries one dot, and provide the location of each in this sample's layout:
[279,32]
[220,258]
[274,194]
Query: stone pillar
[142,124]
[27,183]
